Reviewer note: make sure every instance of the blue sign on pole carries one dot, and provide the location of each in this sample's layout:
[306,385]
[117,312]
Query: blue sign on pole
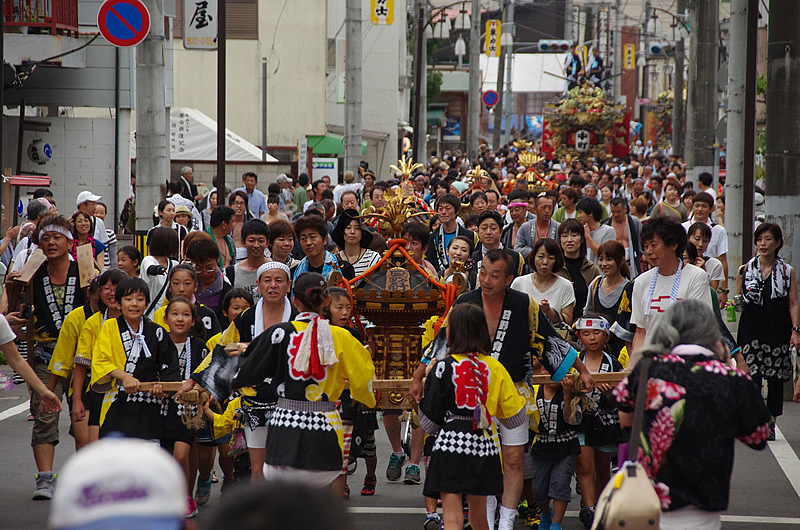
[490,98]
[124,22]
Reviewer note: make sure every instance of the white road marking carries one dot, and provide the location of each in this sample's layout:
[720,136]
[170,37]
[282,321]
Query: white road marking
[786,458]
[13,411]
[751,519]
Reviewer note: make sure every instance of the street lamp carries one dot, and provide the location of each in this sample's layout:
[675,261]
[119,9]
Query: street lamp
[442,29]
[463,22]
[460,49]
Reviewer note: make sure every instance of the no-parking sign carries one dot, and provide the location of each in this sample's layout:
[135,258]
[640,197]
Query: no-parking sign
[123,22]
[490,98]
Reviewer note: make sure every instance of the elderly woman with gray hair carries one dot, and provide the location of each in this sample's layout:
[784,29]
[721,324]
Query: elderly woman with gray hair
[697,404]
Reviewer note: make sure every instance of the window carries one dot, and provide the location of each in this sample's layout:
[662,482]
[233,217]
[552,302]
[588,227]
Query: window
[241,17]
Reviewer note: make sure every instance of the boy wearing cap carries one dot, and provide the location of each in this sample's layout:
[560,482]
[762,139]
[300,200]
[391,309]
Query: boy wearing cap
[599,433]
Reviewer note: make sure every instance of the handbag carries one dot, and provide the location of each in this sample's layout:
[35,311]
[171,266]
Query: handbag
[629,500]
[237,445]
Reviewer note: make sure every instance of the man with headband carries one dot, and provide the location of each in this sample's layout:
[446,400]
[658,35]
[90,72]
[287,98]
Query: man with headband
[56,292]
[518,213]
[518,329]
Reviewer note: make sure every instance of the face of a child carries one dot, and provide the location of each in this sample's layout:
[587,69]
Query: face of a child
[237,306]
[133,305]
[458,251]
[108,295]
[126,264]
[182,284]
[340,311]
[593,339]
[179,318]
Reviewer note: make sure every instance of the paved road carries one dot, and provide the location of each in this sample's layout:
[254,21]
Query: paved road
[762,494]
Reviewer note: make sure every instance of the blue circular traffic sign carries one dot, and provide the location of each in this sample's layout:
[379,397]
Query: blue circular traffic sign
[490,98]
[124,22]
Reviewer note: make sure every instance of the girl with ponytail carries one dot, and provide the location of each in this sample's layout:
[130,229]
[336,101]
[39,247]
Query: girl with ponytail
[463,393]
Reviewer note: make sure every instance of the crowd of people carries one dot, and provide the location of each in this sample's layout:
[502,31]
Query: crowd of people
[569,267]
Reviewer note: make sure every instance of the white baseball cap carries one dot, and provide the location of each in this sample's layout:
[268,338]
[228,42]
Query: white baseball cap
[87,196]
[120,483]
[283,178]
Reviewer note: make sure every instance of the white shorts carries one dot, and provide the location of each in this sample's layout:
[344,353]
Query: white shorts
[515,436]
[256,439]
[690,517]
[314,479]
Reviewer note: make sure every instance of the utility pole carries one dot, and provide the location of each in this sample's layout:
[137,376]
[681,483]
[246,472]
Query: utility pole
[222,91]
[568,22]
[508,99]
[352,87]
[645,68]
[618,51]
[474,102]
[783,114]
[420,87]
[501,67]
[739,183]
[152,154]
[263,109]
[701,116]
[677,102]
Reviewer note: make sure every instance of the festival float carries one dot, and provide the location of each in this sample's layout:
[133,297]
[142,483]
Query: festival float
[397,296]
[584,122]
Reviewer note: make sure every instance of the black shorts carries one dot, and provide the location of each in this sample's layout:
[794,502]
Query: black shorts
[93,402]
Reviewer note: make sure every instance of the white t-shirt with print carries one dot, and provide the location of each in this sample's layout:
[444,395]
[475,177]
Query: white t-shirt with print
[559,295]
[694,285]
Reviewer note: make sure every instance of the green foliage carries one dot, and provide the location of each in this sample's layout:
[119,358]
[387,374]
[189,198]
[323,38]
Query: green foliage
[3,360]
[761,85]
[434,84]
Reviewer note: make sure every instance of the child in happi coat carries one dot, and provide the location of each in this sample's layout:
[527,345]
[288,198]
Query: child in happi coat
[463,393]
[187,334]
[554,449]
[599,433]
[357,425]
[182,281]
[131,349]
[87,402]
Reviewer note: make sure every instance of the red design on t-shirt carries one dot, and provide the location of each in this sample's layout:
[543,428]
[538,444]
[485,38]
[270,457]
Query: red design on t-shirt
[464,381]
[294,346]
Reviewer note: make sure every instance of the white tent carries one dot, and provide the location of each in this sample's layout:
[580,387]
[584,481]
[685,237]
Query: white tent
[529,72]
[193,137]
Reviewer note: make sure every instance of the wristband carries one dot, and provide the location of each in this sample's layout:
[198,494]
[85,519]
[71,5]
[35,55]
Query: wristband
[796,328]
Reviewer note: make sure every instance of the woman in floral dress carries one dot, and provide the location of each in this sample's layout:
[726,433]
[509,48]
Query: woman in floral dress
[697,405]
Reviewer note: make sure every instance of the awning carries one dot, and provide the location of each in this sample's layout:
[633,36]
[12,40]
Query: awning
[436,117]
[330,144]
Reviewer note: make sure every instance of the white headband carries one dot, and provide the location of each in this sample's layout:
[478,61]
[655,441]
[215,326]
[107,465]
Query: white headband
[599,323]
[268,266]
[56,228]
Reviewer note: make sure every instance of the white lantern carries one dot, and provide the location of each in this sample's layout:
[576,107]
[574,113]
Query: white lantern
[39,151]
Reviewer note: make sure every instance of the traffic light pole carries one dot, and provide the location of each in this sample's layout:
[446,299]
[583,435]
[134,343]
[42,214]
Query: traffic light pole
[474,101]
[677,101]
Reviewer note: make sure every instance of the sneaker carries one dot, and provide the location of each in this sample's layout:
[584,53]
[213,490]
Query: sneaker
[545,521]
[352,466]
[368,489]
[533,518]
[395,467]
[522,508]
[191,507]
[586,516]
[203,492]
[771,437]
[214,479]
[412,474]
[45,486]
[346,492]
[432,522]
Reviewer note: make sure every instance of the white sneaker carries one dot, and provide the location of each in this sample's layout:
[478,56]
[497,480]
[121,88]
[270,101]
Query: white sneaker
[45,486]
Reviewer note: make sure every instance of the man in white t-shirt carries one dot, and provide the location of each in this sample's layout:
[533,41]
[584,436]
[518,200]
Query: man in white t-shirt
[702,207]
[86,202]
[590,211]
[663,240]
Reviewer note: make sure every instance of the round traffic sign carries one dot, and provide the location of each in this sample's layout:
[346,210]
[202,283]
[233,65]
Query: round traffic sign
[124,22]
[490,98]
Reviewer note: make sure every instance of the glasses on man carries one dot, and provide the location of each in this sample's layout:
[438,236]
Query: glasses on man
[238,203]
[208,270]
